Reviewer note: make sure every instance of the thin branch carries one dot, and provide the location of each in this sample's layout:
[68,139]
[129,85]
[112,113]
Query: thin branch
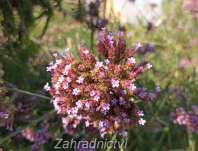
[45,27]
[28,93]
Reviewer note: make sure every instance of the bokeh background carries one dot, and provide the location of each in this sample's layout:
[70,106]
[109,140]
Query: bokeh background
[32,30]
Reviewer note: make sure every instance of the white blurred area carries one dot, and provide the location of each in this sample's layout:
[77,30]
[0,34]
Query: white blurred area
[130,12]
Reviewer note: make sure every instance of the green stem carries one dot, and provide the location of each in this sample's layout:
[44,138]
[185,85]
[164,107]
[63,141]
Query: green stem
[191,142]
[113,139]
[28,93]
[92,39]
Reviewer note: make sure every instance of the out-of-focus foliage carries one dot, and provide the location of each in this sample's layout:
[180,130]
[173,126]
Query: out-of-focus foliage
[175,70]
[18,47]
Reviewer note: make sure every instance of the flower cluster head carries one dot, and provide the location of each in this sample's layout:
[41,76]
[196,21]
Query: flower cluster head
[146,48]
[3,115]
[99,93]
[93,18]
[191,6]
[38,138]
[189,119]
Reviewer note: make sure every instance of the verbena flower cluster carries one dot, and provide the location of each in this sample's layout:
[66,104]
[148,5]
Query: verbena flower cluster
[189,119]
[191,6]
[38,138]
[3,115]
[99,94]
[146,48]
[93,18]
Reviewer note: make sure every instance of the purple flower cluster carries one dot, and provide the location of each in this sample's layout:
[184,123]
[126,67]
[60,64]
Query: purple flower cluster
[146,48]
[143,94]
[192,6]
[93,18]
[189,119]
[38,138]
[99,93]
[3,115]
[7,112]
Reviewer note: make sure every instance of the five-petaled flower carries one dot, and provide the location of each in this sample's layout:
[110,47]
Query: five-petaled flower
[115,83]
[76,91]
[141,121]
[80,80]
